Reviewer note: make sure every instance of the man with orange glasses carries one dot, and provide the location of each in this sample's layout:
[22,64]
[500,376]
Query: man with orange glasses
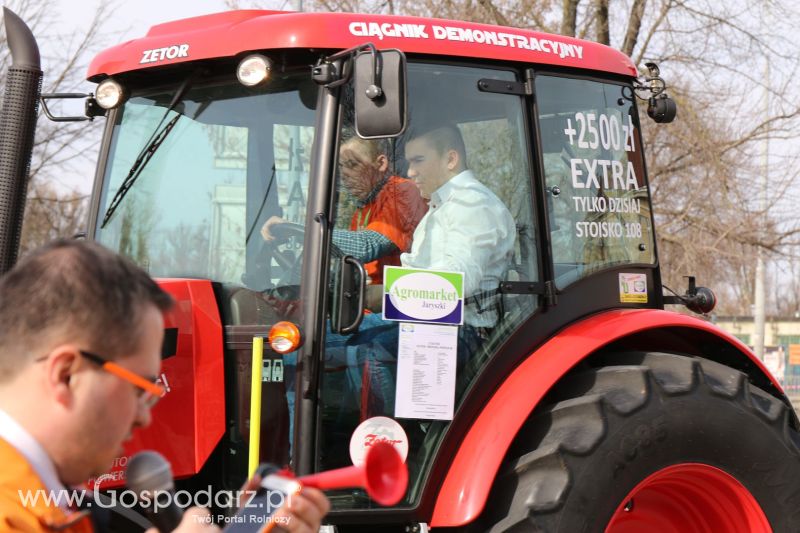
[80,345]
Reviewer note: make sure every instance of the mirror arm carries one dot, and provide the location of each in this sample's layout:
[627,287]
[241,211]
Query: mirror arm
[350,52]
[374,90]
[91,109]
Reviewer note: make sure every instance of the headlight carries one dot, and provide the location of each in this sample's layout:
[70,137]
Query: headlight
[109,94]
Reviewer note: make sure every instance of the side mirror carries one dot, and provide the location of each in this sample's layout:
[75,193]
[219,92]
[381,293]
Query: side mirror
[379,83]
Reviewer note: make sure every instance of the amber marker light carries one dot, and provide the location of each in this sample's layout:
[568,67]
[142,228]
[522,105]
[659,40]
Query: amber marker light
[284,337]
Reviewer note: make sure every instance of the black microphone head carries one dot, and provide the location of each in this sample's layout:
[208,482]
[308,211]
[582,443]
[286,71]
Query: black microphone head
[149,471]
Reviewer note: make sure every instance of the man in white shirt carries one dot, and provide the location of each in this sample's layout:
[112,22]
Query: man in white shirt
[466,229]
[81,330]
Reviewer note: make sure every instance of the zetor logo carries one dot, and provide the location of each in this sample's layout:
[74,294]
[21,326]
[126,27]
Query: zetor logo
[168,52]
[372,438]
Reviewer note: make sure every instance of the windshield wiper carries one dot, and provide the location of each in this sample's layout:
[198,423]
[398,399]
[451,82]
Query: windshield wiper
[153,143]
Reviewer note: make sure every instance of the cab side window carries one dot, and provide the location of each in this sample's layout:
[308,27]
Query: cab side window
[597,197]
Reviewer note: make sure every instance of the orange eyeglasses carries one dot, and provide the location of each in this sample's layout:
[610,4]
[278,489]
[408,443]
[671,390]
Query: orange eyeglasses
[149,391]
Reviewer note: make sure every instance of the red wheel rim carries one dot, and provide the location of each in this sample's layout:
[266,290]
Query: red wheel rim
[689,498]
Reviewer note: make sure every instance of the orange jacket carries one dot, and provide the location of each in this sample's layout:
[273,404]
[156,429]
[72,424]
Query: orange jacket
[394,213]
[17,480]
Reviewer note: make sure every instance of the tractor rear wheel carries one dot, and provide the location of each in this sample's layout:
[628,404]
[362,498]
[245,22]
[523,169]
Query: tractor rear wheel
[652,442]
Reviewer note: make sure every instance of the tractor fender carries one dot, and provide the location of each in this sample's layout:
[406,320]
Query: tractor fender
[465,488]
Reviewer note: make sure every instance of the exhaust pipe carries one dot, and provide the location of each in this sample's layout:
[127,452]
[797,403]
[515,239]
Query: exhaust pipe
[17,127]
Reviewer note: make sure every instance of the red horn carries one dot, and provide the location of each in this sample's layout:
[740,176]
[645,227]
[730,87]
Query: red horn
[383,475]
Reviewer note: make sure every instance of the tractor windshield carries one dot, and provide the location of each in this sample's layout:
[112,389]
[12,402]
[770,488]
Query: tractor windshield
[234,158]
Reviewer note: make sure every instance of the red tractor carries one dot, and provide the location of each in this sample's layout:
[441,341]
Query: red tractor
[555,394]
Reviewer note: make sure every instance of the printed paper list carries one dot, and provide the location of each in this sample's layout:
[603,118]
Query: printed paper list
[426,371]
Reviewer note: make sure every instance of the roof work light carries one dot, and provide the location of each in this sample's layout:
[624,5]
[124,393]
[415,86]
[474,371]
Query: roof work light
[253,70]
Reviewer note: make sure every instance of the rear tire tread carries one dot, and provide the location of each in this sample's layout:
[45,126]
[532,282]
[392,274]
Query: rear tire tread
[575,421]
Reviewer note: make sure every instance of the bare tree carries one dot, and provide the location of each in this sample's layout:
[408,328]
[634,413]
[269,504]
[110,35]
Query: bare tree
[56,208]
[569,17]
[600,8]
[634,26]
[51,214]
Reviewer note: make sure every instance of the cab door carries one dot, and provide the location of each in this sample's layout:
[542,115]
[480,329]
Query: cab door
[402,374]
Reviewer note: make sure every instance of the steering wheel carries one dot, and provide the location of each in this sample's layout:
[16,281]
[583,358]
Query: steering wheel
[287,259]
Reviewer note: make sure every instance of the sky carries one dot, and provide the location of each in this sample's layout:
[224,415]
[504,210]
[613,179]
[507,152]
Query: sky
[133,19]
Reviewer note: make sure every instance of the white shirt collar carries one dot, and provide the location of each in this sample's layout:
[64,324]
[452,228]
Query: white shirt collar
[442,194]
[18,437]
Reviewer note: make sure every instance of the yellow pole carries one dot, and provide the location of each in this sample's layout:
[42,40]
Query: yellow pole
[255,404]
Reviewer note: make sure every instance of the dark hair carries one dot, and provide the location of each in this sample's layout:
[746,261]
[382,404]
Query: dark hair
[442,137]
[73,291]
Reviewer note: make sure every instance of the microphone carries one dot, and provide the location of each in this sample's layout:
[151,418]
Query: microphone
[149,474]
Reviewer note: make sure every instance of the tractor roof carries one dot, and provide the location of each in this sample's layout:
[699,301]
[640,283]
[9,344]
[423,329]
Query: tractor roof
[233,33]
